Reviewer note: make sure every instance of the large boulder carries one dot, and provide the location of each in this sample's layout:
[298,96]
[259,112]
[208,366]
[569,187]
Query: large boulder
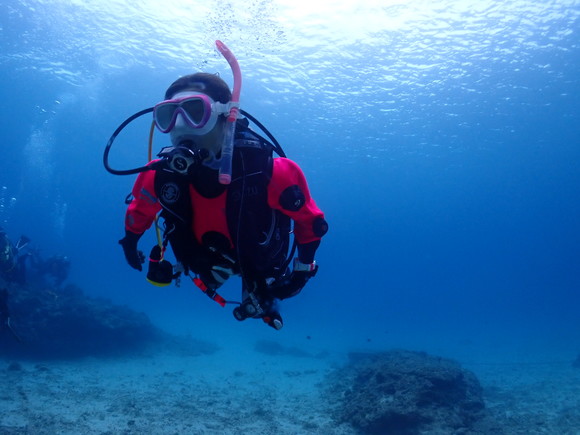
[65,323]
[403,392]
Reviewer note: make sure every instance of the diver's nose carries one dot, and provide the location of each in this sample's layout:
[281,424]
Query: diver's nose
[180,121]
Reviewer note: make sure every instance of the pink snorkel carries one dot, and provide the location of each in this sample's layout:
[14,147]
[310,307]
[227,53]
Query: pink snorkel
[225,170]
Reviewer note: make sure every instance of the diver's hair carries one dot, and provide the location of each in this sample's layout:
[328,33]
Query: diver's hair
[210,84]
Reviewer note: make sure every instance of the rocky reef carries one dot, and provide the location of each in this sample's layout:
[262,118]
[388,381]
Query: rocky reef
[66,323]
[405,393]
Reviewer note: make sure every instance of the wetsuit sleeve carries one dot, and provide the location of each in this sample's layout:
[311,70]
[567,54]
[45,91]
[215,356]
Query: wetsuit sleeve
[144,206]
[288,192]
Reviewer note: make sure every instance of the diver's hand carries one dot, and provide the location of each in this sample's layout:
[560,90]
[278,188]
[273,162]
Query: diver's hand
[293,283]
[134,257]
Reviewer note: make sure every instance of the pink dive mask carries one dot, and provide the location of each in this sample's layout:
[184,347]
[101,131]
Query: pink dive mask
[199,112]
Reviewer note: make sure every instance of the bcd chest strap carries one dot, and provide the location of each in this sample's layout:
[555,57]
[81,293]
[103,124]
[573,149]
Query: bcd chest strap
[249,219]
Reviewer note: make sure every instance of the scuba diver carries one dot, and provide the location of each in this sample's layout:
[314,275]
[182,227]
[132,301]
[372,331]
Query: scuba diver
[58,267]
[54,269]
[12,260]
[5,315]
[229,206]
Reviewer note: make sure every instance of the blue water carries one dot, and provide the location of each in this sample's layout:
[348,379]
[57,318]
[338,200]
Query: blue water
[441,139]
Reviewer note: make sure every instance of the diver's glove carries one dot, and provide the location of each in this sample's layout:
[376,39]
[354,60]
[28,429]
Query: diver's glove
[290,285]
[134,257]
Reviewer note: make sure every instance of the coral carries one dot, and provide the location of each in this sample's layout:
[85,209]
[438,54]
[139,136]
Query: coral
[403,392]
[57,324]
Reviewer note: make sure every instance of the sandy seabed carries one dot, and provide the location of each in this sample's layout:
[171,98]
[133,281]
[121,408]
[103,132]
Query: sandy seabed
[242,393]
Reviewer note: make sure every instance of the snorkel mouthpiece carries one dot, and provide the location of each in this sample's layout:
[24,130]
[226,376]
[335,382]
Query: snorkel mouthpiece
[225,170]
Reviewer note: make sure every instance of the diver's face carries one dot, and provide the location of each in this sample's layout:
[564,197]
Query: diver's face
[208,137]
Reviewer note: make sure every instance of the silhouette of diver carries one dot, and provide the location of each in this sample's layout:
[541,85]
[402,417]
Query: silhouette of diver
[12,259]
[55,268]
[5,314]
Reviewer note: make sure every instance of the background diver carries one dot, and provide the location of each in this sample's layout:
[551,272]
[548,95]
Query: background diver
[13,258]
[5,314]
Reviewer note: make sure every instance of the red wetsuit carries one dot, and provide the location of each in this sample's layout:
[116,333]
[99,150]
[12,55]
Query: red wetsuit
[209,214]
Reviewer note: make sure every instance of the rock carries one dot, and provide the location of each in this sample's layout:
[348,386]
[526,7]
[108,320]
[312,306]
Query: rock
[403,392]
[273,348]
[14,367]
[53,324]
